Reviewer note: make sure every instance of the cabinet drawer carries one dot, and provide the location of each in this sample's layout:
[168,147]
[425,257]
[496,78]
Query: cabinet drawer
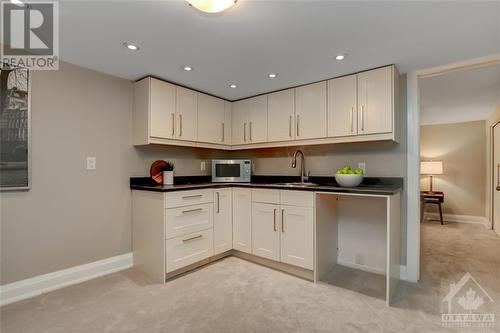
[266,196]
[185,220]
[297,198]
[188,249]
[185,198]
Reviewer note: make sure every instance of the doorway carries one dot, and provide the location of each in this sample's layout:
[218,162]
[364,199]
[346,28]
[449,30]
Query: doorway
[495,168]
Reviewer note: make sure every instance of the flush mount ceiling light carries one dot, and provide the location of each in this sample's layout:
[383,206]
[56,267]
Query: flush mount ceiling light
[131,46]
[340,56]
[188,68]
[272,75]
[211,6]
[17,2]
[233,86]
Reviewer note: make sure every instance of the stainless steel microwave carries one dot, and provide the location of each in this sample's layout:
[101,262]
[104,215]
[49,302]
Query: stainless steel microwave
[232,171]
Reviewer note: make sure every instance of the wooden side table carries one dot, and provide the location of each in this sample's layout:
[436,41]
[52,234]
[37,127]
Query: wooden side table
[435,198]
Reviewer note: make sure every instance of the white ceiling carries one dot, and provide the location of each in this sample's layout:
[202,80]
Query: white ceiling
[461,96]
[296,39]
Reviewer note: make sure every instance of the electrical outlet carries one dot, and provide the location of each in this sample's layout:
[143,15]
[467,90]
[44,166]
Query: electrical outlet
[362,166]
[91,163]
[203,166]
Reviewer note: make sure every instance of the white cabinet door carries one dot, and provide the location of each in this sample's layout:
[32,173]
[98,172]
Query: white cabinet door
[310,111]
[239,120]
[242,219]
[342,106]
[226,139]
[187,114]
[211,114]
[162,116]
[375,101]
[265,230]
[223,220]
[297,236]
[281,115]
[257,119]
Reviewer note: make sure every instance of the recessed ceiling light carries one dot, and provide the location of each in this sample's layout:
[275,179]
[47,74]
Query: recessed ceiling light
[272,75]
[340,56]
[233,86]
[211,6]
[188,68]
[131,46]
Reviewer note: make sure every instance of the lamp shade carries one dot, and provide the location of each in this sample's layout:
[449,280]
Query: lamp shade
[431,168]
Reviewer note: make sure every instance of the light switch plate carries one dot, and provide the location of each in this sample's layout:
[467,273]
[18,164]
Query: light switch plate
[362,166]
[91,163]
[203,166]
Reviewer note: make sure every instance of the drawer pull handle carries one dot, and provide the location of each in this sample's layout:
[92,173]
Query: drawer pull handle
[192,196]
[192,210]
[192,238]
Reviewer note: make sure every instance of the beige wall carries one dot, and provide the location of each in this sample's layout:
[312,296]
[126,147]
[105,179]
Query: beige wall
[491,121]
[462,148]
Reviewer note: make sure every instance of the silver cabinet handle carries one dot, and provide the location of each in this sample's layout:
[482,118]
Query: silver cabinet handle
[498,178]
[180,125]
[282,220]
[362,117]
[245,132]
[192,210]
[298,126]
[192,238]
[352,119]
[218,202]
[192,196]
[250,130]
[173,124]
[275,228]
[223,132]
[290,126]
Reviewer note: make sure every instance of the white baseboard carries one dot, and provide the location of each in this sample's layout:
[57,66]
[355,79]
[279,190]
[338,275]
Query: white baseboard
[402,269]
[20,290]
[459,218]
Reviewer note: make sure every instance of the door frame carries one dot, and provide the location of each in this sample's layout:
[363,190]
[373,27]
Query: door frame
[492,173]
[413,154]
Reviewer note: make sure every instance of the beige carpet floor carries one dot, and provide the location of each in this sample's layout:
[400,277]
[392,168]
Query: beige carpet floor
[233,295]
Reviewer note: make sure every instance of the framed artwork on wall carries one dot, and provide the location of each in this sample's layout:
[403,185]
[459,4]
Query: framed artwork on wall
[15,129]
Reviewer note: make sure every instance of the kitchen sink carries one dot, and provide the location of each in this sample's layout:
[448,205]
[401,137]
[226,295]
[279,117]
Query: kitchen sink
[297,184]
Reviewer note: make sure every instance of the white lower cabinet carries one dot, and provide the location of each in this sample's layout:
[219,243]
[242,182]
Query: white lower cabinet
[188,249]
[283,232]
[223,220]
[242,219]
[297,236]
[265,230]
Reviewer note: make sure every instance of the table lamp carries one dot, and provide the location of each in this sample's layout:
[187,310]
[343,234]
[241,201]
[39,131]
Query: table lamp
[431,168]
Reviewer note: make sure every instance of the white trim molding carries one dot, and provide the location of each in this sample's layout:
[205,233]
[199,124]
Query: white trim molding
[459,218]
[32,287]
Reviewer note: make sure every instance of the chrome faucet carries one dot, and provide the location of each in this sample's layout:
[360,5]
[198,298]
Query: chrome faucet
[302,165]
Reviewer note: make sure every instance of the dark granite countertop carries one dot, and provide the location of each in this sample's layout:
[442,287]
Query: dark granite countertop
[370,185]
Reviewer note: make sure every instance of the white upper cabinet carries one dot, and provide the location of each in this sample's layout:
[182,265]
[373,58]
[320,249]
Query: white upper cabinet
[376,101]
[211,119]
[257,119]
[281,115]
[162,109]
[186,114]
[239,120]
[342,106]
[227,123]
[310,111]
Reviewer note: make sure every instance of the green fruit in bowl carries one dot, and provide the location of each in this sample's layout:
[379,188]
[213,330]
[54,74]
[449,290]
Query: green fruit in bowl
[358,171]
